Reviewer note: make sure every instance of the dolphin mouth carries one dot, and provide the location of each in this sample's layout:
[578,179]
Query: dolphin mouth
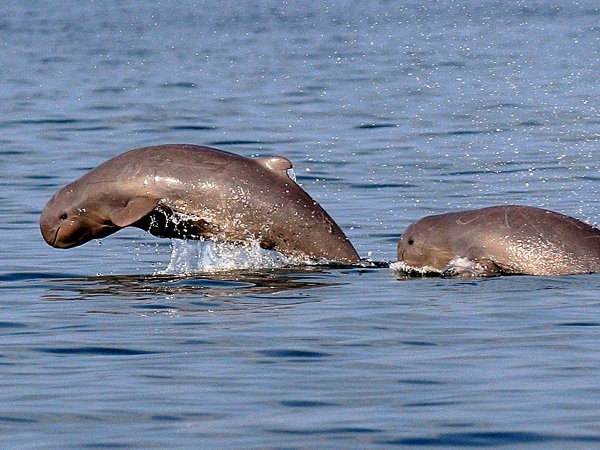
[53,238]
[50,235]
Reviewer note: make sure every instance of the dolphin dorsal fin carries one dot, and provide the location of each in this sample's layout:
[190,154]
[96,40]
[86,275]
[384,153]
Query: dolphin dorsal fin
[277,164]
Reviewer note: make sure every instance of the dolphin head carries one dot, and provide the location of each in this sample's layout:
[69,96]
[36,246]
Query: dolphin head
[70,218]
[87,209]
[424,244]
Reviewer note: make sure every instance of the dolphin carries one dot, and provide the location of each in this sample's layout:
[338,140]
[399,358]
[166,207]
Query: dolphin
[195,192]
[501,240]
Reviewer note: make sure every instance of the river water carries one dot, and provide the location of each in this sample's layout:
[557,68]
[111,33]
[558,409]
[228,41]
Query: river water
[389,112]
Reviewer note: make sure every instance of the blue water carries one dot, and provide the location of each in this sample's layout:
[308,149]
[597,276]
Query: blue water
[389,112]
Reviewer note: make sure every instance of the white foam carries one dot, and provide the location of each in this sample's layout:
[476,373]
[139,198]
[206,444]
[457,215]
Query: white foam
[401,266]
[465,268]
[465,264]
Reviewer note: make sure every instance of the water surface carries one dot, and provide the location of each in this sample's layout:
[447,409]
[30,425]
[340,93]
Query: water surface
[389,112]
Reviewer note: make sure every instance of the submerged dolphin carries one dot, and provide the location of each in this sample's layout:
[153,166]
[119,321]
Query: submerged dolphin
[501,240]
[192,192]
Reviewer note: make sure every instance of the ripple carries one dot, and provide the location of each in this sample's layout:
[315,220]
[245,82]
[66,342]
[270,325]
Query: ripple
[326,431]
[305,403]
[429,404]
[25,276]
[417,382]
[530,123]
[45,121]
[109,90]
[293,354]
[455,133]
[369,126]
[9,419]
[87,128]
[180,85]
[488,439]
[237,142]
[166,418]
[95,351]
[153,307]
[193,128]
[7,324]
[419,343]
[370,186]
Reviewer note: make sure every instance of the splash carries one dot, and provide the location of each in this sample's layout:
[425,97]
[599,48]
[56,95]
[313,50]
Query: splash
[292,174]
[191,256]
[457,267]
[404,269]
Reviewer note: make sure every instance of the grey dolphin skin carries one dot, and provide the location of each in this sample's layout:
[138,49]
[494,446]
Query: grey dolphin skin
[501,240]
[192,192]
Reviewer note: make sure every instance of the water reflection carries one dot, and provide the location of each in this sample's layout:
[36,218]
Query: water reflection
[235,288]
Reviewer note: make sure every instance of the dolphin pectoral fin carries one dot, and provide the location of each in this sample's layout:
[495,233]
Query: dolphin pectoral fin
[467,268]
[133,211]
[276,164]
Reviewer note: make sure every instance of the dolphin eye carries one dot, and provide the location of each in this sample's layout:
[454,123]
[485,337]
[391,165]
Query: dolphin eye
[63,216]
[411,241]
